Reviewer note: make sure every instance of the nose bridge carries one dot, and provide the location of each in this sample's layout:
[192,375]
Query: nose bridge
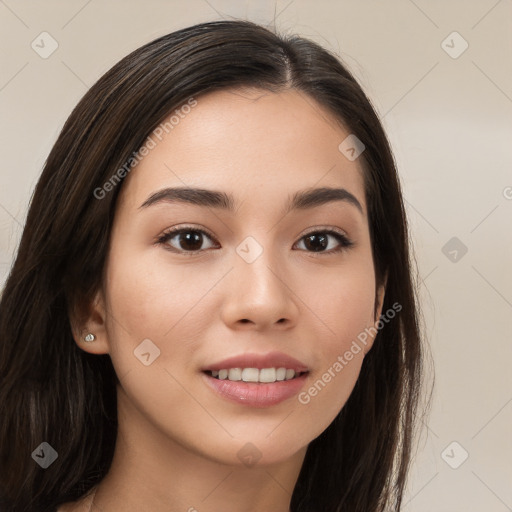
[257,264]
[258,290]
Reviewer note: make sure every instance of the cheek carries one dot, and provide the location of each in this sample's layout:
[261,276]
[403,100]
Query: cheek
[149,298]
[157,316]
[341,302]
[343,312]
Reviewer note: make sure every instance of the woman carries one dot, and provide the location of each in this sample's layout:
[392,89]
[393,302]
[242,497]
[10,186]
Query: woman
[212,306]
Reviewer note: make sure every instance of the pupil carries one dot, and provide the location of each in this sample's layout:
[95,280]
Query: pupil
[321,243]
[190,240]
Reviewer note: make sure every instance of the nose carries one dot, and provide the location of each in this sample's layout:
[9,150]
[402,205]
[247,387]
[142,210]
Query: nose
[259,295]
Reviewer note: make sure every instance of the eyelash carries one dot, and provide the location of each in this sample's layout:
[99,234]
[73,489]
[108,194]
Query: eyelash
[344,241]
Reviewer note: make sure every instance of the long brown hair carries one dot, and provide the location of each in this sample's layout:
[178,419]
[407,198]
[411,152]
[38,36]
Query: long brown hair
[52,391]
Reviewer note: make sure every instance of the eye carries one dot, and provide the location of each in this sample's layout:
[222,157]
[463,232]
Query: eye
[188,239]
[318,240]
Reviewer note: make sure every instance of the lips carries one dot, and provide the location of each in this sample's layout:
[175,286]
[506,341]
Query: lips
[257,394]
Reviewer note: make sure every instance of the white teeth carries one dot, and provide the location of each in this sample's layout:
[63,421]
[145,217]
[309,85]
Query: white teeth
[289,374]
[250,374]
[280,373]
[235,374]
[254,374]
[268,375]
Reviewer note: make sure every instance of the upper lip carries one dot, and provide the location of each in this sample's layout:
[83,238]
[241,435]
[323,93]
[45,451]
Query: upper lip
[252,360]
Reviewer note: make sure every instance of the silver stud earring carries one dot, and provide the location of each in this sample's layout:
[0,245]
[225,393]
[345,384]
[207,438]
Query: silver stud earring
[90,337]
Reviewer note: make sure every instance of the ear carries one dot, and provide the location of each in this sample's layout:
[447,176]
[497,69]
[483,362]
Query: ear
[93,321]
[380,292]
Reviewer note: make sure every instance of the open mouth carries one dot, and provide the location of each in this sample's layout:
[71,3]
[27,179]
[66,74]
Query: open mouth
[255,375]
[257,387]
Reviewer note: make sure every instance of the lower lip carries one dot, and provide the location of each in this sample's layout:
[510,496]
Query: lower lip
[256,394]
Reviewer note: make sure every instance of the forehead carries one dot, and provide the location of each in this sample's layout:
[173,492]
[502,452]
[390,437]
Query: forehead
[252,143]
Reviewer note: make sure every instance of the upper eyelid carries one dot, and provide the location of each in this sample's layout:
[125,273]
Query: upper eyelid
[175,230]
[170,233]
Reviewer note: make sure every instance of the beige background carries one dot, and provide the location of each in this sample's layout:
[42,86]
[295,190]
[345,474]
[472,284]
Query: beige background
[450,122]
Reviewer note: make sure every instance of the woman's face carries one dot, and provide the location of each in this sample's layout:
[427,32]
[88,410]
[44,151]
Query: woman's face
[251,285]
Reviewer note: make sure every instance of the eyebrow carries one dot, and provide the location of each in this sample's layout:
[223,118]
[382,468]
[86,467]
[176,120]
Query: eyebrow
[301,200]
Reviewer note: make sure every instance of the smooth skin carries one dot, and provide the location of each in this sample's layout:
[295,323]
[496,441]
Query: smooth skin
[178,440]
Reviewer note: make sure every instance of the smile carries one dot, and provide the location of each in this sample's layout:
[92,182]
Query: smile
[264,375]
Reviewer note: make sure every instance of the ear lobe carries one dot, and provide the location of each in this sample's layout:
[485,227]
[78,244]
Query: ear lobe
[92,322]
